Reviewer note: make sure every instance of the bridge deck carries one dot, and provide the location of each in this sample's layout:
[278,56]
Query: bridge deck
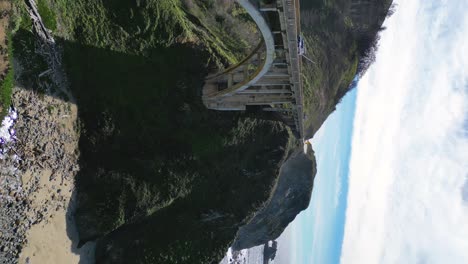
[291,14]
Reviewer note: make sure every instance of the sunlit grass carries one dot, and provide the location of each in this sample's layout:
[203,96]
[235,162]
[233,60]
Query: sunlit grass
[6,86]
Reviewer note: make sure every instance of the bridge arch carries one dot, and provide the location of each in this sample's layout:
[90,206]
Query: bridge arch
[270,76]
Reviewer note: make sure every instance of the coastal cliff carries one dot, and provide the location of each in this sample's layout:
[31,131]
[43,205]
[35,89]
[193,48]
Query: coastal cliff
[341,38]
[159,178]
[291,195]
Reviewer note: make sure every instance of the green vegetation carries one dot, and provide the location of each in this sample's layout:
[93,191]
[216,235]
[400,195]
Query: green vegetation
[340,37]
[24,43]
[134,26]
[150,151]
[48,17]
[6,90]
[149,145]
[8,81]
[6,85]
[162,179]
[152,156]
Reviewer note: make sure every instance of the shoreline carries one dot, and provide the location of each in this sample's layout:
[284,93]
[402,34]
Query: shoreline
[43,162]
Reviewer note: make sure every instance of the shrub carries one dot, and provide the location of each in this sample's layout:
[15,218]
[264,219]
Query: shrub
[48,17]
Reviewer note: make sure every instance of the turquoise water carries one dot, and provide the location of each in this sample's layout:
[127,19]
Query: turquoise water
[317,233]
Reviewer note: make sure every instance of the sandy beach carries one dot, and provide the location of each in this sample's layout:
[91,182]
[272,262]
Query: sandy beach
[43,157]
[54,240]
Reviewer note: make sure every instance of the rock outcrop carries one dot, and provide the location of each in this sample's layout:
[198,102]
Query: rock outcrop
[291,196]
[269,251]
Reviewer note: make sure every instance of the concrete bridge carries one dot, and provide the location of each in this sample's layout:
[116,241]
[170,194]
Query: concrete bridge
[270,77]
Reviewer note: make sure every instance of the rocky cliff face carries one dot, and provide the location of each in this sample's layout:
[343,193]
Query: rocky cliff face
[290,196]
[199,227]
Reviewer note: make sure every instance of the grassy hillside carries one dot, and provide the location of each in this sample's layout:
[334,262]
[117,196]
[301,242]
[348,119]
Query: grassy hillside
[339,36]
[162,179]
[134,26]
[24,44]
[151,153]
[153,160]
[7,82]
